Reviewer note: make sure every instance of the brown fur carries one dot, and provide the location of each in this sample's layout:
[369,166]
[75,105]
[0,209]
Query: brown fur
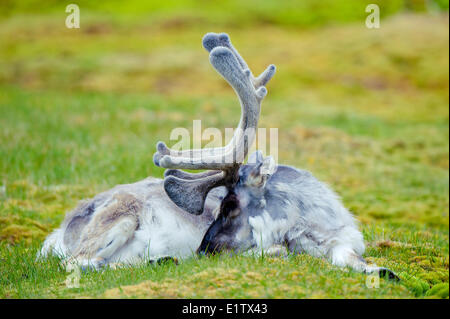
[76,221]
[126,206]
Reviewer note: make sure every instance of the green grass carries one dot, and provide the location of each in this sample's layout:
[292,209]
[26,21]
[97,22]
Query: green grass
[365,110]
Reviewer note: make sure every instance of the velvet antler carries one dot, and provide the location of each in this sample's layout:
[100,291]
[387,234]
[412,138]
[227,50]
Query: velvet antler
[188,190]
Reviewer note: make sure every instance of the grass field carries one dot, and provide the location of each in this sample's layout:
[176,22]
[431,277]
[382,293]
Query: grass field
[364,110]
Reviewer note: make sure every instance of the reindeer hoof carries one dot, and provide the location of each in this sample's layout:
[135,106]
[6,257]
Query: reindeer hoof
[163,260]
[388,274]
[96,264]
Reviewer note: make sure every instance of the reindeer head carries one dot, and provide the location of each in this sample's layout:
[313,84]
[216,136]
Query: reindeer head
[234,226]
[188,190]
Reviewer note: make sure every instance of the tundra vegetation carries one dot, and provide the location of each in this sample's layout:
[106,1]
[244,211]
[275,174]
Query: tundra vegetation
[365,110]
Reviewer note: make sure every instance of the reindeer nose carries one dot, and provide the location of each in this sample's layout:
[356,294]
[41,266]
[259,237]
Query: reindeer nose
[201,253]
[203,250]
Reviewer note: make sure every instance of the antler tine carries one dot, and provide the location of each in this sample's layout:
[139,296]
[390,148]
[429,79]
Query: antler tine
[189,176]
[212,40]
[162,150]
[264,77]
[190,195]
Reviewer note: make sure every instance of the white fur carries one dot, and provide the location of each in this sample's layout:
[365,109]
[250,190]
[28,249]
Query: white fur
[164,230]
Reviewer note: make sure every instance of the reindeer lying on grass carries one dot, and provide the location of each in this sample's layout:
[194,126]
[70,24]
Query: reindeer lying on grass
[234,207]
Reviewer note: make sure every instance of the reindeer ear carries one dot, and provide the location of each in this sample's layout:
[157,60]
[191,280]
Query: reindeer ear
[255,158]
[268,167]
[261,172]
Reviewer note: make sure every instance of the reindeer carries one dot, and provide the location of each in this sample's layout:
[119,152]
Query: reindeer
[251,208]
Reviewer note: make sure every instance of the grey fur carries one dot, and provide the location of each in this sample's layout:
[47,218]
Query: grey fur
[293,209]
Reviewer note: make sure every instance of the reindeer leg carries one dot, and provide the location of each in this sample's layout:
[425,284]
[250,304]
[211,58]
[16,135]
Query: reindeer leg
[108,231]
[343,256]
[272,251]
[100,248]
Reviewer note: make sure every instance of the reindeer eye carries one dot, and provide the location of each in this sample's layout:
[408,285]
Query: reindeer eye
[234,213]
[229,206]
